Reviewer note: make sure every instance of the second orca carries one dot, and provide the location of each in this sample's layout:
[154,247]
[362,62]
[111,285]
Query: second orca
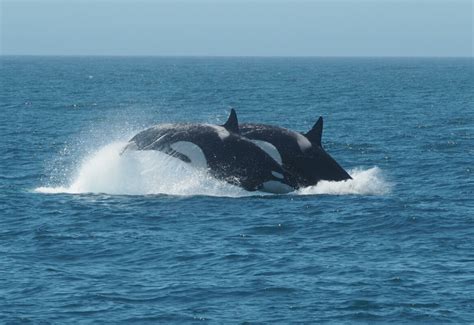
[300,154]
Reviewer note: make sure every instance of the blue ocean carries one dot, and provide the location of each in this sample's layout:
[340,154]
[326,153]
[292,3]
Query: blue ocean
[90,236]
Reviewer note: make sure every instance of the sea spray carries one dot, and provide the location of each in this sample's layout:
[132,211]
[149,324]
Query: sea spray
[140,173]
[364,182]
[153,172]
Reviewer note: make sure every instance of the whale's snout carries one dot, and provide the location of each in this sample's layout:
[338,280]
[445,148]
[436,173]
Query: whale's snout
[131,146]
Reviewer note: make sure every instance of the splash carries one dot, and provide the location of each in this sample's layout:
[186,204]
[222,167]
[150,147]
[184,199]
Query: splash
[152,172]
[141,173]
[363,182]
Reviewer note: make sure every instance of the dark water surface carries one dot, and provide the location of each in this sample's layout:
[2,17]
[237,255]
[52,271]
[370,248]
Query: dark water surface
[86,236]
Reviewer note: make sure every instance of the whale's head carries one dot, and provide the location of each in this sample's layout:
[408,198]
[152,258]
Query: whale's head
[315,163]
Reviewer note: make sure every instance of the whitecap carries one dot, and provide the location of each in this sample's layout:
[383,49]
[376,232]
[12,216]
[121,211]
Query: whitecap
[364,182]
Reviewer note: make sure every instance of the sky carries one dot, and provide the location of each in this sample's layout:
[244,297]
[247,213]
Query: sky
[433,28]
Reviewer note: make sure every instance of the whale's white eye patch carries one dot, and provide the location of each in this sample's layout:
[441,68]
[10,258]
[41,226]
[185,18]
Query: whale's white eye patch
[270,149]
[302,141]
[192,151]
[221,131]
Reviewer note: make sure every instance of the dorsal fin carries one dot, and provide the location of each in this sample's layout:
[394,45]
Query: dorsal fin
[314,135]
[232,124]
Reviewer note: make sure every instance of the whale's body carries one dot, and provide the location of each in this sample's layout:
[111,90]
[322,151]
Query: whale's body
[302,155]
[252,156]
[218,149]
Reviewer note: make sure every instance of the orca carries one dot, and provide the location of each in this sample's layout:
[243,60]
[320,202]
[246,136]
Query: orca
[300,154]
[220,150]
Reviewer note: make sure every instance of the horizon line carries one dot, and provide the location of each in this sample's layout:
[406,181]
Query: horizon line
[241,56]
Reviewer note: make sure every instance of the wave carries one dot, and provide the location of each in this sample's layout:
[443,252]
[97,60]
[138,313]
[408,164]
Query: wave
[364,182]
[151,172]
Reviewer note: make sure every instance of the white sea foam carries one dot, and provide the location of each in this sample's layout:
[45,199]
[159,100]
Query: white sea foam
[364,182]
[141,173]
[152,172]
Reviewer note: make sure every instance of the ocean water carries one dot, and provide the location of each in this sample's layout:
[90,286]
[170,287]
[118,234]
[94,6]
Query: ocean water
[88,236]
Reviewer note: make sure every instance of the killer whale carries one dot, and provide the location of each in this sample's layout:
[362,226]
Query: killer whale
[300,154]
[219,149]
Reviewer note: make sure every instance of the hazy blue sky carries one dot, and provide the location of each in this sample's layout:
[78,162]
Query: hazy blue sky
[231,27]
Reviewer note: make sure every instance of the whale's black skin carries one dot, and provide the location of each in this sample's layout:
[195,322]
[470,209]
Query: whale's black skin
[226,155]
[301,155]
